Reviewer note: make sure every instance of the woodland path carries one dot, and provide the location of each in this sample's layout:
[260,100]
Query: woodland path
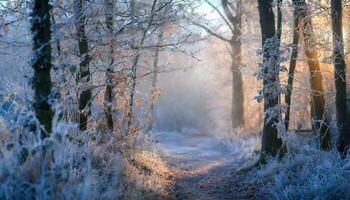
[205,168]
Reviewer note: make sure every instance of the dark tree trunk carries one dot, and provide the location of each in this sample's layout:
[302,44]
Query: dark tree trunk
[42,64]
[271,143]
[109,5]
[237,111]
[340,79]
[320,124]
[84,68]
[292,65]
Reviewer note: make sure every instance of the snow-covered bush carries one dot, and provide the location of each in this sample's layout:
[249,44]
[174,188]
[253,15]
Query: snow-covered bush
[305,173]
[66,165]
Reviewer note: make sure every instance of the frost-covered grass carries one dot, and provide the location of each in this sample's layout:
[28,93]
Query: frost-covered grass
[71,164]
[304,173]
[57,167]
[245,146]
[147,177]
[77,165]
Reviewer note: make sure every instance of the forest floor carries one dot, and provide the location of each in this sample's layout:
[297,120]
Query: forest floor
[206,168]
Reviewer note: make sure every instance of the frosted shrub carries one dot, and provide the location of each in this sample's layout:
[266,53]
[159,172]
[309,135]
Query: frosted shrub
[58,167]
[306,173]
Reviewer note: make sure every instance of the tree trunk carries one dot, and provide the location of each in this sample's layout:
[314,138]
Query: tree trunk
[129,117]
[292,65]
[271,143]
[108,98]
[237,82]
[237,110]
[340,79]
[84,69]
[319,122]
[42,64]
[155,79]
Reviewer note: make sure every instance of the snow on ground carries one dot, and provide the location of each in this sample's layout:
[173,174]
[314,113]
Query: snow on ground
[205,165]
[199,149]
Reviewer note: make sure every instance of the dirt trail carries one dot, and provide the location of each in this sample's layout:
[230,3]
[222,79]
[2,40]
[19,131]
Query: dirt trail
[206,168]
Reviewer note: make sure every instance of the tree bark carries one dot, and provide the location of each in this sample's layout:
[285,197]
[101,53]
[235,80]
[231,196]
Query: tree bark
[292,65]
[319,122]
[271,143]
[108,98]
[41,64]
[84,68]
[340,79]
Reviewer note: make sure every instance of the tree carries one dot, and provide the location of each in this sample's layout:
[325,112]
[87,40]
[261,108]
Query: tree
[271,143]
[84,68]
[155,78]
[41,64]
[108,98]
[343,122]
[232,16]
[135,61]
[292,65]
[319,122]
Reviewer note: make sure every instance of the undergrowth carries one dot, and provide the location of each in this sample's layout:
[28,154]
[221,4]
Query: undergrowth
[305,172]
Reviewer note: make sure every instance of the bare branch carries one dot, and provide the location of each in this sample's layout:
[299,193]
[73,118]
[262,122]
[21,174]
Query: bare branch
[163,45]
[221,15]
[211,32]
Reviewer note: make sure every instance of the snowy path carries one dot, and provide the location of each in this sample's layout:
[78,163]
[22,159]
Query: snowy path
[205,166]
